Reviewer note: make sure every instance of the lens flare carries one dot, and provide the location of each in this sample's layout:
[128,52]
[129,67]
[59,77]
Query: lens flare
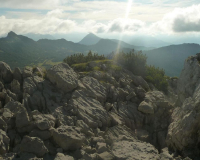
[128,9]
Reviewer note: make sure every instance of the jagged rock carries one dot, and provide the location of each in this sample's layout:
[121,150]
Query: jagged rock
[3,124]
[8,156]
[101,147]
[4,142]
[44,122]
[84,128]
[146,108]
[127,150]
[68,137]
[61,156]
[27,72]
[140,92]
[183,132]
[63,77]
[1,86]
[1,105]
[108,106]
[106,156]
[130,115]
[96,89]
[5,72]
[90,111]
[15,87]
[31,84]
[51,148]
[17,74]
[13,106]
[44,135]
[130,96]
[118,132]
[15,139]
[28,156]
[142,135]
[37,72]
[139,81]
[22,118]
[33,145]
[11,95]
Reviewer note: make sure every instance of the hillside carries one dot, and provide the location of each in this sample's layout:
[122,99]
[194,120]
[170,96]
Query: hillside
[17,50]
[171,58]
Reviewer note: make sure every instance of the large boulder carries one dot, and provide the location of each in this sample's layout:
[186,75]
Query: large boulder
[5,72]
[68,137]
[146,108]
[33,145]
[63,77]
[134,150]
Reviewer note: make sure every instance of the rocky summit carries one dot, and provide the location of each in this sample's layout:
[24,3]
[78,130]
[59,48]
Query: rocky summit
[114,115]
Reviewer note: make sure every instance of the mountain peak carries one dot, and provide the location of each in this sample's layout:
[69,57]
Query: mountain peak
[11,34]
[90,39]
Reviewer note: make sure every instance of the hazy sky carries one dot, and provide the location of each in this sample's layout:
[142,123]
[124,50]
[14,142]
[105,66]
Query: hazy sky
[166,18]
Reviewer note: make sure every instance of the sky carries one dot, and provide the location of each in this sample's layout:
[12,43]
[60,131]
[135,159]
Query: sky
[172,20]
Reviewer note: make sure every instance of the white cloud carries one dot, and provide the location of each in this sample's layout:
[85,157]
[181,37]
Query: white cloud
[60,21]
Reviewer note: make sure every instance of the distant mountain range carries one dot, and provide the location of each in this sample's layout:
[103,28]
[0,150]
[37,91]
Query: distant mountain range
[37,37]
[146,41]
[18,50]
[171,58]
[92,39]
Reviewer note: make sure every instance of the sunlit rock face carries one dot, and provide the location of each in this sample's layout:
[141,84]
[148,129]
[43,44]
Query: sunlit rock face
[99,115]
[183,132]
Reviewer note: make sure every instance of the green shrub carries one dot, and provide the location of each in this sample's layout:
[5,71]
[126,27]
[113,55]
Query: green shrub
[134,62]
[157,77]
[81,67]
[81,58]
[96,68]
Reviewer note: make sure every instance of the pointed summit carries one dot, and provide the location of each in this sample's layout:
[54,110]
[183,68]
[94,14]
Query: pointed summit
[90,39]
[11,34]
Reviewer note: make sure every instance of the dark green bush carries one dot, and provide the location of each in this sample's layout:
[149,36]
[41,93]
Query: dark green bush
[157,77]
[134,62]
[81,58]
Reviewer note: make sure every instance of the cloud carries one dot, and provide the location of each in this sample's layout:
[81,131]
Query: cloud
[179,20]
[125,25]
[187,19]
[45,25]
[61,21]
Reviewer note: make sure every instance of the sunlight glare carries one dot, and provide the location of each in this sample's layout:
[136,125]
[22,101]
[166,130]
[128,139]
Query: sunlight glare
[128,9]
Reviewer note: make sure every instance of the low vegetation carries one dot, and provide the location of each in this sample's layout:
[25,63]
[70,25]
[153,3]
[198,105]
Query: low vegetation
[81,58]
[132,61]
[157,77]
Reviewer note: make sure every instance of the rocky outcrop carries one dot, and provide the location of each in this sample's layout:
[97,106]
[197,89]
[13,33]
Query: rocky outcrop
[99,115]
[6,74]
[68,137]
[183,132]
[63,77]
[33,145]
